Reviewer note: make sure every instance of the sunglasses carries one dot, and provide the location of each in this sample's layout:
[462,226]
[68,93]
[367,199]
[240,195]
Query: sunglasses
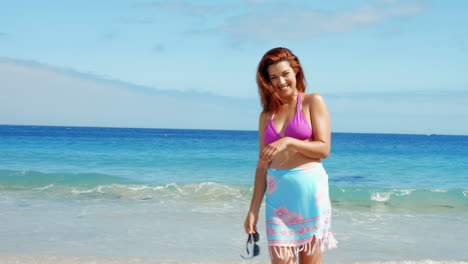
[252,239]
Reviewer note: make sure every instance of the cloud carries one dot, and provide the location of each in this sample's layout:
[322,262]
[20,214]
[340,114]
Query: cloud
[33,93]
[302,22]
[58,71]
[93,77]
[400,112]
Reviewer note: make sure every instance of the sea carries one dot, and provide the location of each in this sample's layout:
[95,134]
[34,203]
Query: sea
[138,195]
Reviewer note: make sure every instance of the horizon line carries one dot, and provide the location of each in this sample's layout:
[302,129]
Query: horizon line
[220,129]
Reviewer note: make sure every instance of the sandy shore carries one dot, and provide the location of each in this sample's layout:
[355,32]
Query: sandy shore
[37,259]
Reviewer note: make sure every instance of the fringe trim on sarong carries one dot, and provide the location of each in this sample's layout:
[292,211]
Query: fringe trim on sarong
[326,242]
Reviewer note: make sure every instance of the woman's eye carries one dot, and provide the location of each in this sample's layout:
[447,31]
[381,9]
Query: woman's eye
[272,78]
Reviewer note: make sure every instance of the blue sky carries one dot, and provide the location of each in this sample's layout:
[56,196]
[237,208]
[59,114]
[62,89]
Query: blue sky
[383,66]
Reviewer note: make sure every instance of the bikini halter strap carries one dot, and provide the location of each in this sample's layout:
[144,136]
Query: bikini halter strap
[299,104]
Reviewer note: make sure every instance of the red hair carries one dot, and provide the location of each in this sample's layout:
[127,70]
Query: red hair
[271,101]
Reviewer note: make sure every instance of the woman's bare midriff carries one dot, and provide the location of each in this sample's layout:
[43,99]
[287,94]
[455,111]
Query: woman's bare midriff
[289,158]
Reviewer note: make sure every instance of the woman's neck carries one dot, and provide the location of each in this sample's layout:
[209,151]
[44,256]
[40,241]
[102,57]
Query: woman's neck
[292,98]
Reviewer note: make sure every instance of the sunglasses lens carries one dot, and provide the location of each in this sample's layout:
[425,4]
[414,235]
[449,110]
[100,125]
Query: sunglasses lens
[256,250]
[256,237]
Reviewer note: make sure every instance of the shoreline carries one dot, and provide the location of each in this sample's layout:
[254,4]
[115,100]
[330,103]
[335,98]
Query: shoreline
[10,258]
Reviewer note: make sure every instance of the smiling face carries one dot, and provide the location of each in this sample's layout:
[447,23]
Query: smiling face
[283,78]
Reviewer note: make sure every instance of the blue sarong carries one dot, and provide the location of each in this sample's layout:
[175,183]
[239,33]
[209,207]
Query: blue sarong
[298,209]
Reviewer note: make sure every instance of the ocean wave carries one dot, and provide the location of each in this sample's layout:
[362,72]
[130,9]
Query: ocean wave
[391,198]
[92,186]
[100,186]
[27,180]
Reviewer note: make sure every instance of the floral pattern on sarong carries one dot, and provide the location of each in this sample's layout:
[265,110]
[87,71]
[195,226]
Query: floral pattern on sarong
[282,214]
[298,206]
[271,184]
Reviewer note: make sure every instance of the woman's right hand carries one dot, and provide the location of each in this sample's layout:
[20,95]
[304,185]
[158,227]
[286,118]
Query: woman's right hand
[250,224]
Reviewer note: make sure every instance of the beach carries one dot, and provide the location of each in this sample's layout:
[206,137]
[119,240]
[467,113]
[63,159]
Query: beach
[9,259]
[122,195]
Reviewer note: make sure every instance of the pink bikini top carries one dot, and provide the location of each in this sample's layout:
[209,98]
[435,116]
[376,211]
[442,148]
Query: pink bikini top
[298,127]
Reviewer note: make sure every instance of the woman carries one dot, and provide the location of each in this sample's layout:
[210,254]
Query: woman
[294,133]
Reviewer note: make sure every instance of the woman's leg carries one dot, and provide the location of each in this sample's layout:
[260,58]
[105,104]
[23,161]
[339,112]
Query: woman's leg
[282,255]
[313,258]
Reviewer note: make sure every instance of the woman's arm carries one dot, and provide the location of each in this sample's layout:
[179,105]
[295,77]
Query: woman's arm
[250,224]
[319,146]
[259,187]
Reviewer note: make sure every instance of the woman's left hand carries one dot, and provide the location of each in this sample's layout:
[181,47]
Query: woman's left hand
[269,151]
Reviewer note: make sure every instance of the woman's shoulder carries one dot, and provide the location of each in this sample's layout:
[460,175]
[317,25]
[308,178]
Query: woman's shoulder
[313,98]
[263,121]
